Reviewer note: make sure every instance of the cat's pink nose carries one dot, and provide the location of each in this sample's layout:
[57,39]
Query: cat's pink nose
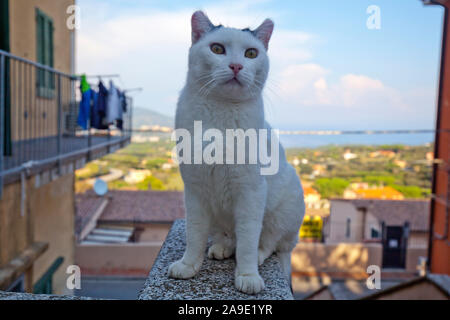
[236,67]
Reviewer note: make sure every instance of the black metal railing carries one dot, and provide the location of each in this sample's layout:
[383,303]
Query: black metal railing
[38,119]
[45,284]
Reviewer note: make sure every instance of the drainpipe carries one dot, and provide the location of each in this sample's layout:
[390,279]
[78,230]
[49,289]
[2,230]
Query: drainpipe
[440,168]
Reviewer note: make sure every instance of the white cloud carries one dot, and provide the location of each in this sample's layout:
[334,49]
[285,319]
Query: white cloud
[308,85]
[149,49]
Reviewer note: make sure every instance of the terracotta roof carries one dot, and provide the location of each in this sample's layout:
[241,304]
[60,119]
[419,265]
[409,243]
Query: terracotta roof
[379,193]
[143,206]
[309,190]
[130,206]
[85,204]
[397,212]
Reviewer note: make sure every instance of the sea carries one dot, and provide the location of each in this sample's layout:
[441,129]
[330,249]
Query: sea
[314,141]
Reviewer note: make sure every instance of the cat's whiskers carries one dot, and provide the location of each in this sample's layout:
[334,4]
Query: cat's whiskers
[205,90]
[268,87]
[203,79]
[250,85]
[270,105]
[204,76]
[205,86]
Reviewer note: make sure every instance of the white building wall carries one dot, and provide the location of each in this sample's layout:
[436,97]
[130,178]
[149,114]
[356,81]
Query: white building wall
[340,211]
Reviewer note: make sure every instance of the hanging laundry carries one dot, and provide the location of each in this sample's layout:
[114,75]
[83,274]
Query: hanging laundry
[119,124]
[98,116]
[84,85]
[96,121]
[114,108]
[102,98]
[84,109]
[85,103]
[123,101]
[119,121]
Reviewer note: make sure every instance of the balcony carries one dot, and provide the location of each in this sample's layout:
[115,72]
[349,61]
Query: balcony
[38,115]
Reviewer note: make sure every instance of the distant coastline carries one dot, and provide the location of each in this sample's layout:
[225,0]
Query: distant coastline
[314,141]
[148,117]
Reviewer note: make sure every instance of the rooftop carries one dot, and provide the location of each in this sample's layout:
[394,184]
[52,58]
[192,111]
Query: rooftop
[130,206]
[379,193]
[86,205]
[439,281]
[143,206]
[310,190]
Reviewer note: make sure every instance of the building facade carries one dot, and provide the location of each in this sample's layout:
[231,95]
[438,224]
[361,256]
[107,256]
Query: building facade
[401,226]
[40,145]
[40,207]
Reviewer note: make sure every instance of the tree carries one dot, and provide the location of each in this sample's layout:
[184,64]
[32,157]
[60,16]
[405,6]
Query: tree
[150,183]
[333,187]
[409,191]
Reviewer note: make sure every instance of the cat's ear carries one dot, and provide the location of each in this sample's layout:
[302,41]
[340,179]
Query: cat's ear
[264,32]
[200,25]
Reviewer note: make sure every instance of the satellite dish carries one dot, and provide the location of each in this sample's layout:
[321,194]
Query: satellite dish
[100,187]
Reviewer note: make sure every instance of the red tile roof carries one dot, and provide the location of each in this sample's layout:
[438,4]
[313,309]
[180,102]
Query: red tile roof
[143,206]
[130,206]
[85,205]
[379,193]
[310,190]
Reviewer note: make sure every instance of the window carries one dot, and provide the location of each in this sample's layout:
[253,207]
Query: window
[44,54]
[374,233]
[347,228]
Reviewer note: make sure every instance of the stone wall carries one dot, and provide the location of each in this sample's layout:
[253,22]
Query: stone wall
[215,280]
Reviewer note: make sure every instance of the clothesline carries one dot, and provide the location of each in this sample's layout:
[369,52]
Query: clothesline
[102,107]
[100,76]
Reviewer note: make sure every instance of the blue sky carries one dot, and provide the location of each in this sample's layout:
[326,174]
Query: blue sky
[328,70]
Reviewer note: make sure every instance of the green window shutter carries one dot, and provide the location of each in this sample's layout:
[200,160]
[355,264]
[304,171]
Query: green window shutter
[50,44]
[39,47]
[51,52]
[44,54]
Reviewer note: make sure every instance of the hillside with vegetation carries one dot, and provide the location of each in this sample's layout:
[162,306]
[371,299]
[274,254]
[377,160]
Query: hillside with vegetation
[147,117]
[330,170]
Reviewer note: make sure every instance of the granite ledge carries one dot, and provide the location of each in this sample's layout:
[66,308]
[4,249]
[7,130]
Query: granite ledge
[30,296]
[215,280]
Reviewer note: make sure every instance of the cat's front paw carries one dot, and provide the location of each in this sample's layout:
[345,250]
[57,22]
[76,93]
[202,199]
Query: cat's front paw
[262,256]
[219,251]
[249,283]
[180,270]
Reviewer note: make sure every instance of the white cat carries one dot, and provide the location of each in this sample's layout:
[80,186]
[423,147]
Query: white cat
[249,214]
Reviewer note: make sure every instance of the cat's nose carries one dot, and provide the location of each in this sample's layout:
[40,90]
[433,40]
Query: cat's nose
[236,67]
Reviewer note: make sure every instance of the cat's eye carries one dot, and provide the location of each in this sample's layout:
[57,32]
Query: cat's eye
[251,53]
[217,48]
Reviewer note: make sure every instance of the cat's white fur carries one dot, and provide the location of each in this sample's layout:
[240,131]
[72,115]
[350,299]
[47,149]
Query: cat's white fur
[246,213]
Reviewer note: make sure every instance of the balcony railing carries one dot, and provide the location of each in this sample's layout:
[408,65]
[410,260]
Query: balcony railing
[38,119]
